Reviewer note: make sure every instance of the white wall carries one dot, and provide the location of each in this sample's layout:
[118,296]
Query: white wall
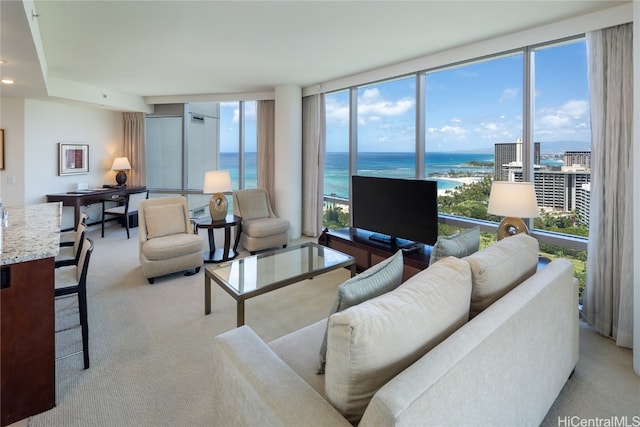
[34,128]
[12,121]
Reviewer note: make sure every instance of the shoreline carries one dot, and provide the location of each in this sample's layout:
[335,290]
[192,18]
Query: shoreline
[462,180]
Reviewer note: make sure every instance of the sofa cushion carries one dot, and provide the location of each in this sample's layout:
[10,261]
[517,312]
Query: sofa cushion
[299,350]
[254,204]
[264,227]
[499,268]
[171,246]
[458,245]
[161,220]
[376,280]
[370,343]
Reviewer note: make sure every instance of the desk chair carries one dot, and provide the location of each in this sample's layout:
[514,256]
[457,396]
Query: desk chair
[73,280]
[125,210]
[69,255]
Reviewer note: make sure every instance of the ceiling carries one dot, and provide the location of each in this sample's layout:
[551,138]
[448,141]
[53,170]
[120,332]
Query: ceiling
[159,48]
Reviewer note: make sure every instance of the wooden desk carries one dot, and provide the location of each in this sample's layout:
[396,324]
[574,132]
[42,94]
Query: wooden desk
[77,199]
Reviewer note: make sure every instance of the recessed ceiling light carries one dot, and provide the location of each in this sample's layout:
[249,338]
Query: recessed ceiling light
[7,81]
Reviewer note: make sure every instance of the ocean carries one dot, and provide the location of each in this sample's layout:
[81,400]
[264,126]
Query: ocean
[391,165]
[401,165]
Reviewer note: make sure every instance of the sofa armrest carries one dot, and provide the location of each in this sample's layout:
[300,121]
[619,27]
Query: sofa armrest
[253,386]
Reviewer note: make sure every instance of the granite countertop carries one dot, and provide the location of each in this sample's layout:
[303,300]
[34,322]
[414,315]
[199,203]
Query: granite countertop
[30,232]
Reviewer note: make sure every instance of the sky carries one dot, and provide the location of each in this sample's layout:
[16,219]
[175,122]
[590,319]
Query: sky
[471,107]
[468,108]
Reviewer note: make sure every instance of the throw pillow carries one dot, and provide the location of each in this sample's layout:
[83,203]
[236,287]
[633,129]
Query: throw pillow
[371,343]
[376,280]
[501,267]
[162,220]
[458,245]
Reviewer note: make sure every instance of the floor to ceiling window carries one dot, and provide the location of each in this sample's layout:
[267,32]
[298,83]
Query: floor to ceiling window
[164,152]
[562,129]
[483,120]
[386,115]
[472,111]
[183,141]
[336,172]
[238,142]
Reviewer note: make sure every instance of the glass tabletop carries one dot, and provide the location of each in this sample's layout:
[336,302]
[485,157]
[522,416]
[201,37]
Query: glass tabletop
[260,273]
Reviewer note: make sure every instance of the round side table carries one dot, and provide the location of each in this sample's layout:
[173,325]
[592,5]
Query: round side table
[225,253]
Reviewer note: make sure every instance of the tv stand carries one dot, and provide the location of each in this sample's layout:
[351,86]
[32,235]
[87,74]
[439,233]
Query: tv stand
[383,238]
[367,251]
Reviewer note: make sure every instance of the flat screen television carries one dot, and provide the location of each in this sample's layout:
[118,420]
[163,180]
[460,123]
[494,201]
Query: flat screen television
[394,208]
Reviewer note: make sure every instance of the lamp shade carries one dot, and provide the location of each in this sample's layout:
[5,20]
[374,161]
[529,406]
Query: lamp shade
[513,199]
[121,164]
[216,182]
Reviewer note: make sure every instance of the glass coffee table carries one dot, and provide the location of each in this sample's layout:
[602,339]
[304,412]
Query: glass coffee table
[258,274]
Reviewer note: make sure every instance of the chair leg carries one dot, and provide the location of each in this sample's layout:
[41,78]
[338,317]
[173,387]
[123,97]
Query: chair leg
[126,224]
[82,305]
[102,224]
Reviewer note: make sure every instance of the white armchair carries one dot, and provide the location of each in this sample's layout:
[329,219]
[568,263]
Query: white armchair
[261,228]
[167,242]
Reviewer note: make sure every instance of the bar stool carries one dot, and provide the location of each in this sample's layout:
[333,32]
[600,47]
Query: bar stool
[72,280]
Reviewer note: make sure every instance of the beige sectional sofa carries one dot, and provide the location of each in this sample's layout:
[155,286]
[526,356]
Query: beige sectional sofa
[409,357]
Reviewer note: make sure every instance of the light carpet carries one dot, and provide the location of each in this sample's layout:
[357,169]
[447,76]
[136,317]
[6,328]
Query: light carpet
[151,346]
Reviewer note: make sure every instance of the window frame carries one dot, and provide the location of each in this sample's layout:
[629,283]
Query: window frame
[548,237]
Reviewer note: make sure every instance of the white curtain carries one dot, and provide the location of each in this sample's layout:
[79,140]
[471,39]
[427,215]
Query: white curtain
[313,149]
[608,298]
[134,148]
[266,114]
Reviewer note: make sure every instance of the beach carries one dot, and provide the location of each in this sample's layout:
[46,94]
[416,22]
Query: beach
[460,181]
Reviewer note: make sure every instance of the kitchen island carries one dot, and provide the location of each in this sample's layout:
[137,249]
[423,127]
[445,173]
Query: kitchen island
[30,240]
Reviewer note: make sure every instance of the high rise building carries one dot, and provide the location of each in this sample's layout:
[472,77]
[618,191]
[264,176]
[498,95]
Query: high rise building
[564,189]
[510,153]
[577,158]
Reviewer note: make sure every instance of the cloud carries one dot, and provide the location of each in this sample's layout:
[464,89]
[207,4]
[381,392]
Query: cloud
[453,130]
[577,108]
[236,111]
[566,116]
[373,107]
[336,112]
[509,93]
[448,131]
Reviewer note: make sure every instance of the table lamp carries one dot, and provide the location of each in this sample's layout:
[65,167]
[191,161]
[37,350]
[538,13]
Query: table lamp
[513,200]
[121,164]
[216,183]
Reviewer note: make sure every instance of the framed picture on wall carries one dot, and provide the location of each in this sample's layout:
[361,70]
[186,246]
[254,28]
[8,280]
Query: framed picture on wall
[1,149]
[73,159]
